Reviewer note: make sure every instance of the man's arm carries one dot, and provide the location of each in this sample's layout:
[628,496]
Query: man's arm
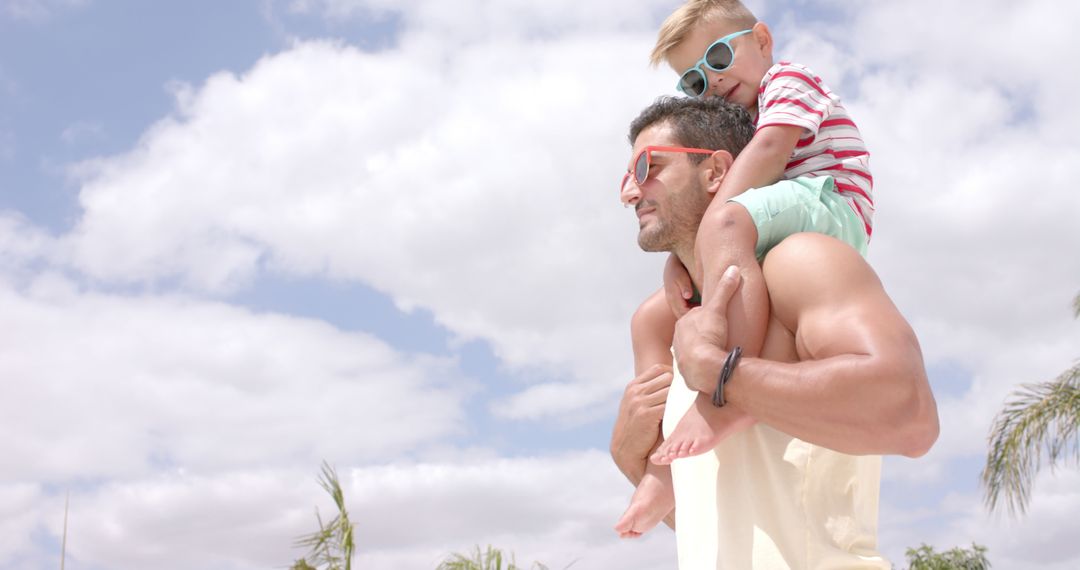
[860,386]
[637,427]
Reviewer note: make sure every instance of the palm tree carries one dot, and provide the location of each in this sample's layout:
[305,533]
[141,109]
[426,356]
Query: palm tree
[925,558]
[331,547]
[491,559]
[1040,419]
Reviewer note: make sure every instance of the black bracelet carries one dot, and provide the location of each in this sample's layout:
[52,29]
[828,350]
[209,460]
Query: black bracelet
[725,375]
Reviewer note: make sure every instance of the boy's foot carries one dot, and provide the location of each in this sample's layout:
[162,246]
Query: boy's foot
[652,501]
[701,429]
[692,436]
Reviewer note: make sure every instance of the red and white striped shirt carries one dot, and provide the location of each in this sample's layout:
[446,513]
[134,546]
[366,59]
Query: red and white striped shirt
[791,94]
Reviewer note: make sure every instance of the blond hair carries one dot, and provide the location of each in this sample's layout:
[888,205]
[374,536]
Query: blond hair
[679,24]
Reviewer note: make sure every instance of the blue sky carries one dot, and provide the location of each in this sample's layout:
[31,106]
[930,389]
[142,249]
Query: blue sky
[106,65]
[239,238]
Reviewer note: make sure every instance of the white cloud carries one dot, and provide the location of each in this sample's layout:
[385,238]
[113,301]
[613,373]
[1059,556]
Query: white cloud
[469,170]
[22,243]
[975,206]
[554,509]
[115,387]
[17,520]
[484,194]
[504,147]
[1043,538]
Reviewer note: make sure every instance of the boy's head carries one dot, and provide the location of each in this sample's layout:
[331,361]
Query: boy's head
[734,67]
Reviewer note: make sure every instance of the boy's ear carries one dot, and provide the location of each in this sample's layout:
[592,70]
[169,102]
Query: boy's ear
[719,163]
[763,38]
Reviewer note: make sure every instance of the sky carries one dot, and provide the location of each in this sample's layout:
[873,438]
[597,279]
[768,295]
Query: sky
[241,238]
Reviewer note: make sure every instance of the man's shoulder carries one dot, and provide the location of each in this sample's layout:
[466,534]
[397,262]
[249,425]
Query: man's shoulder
[811,252]
[810,270]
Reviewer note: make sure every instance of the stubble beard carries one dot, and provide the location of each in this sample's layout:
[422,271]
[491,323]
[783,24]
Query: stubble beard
[657,236]
[682,215]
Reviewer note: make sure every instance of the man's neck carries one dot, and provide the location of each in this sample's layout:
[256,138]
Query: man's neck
[685,253]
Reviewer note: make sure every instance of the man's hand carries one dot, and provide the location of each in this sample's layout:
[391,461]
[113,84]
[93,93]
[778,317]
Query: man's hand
[701,335]
[637,426]
[678,287]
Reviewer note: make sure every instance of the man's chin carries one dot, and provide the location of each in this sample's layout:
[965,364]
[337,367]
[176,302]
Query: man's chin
[650,242]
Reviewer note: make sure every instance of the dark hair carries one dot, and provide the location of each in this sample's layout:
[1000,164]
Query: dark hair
[706,122]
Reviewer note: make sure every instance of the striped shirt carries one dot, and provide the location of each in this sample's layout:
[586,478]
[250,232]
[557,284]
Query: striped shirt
[791,94]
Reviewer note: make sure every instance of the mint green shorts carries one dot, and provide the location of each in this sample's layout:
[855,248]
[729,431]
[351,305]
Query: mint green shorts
[803,204]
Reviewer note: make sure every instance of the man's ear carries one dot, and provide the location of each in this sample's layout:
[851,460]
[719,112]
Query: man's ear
[763,39]
[719,163]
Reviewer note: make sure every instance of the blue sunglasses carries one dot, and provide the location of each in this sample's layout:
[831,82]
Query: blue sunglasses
[718,57]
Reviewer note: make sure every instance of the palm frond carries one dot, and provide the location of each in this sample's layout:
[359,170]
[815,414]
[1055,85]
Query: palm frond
[63,541]
[1038,424]
[331,547]
[489,559]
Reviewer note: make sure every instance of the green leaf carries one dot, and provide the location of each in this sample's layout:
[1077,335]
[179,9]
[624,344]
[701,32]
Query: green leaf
[331,547]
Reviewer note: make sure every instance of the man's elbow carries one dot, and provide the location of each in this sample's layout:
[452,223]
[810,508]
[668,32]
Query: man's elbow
[921,438]
[918,424]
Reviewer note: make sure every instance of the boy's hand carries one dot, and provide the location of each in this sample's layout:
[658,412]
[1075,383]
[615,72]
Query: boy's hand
[678,288]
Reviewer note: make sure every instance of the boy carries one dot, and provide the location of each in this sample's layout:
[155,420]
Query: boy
[806,169]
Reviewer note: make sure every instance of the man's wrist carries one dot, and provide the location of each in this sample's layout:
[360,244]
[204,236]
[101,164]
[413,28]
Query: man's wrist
[735,389]
[630,463]
[726,371]
[702,367]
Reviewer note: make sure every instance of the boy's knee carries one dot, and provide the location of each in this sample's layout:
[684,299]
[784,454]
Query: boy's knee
[730,224]
[729,217]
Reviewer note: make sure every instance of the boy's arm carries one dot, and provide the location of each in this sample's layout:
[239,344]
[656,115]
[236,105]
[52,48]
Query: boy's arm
[761,163]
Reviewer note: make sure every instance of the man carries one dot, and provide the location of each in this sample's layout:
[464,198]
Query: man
[840,379]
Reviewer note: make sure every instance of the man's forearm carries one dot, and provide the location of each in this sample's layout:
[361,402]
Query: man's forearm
[629,460]
[855,404]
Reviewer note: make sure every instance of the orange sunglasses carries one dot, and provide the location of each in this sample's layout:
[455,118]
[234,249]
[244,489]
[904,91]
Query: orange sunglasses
[644,159]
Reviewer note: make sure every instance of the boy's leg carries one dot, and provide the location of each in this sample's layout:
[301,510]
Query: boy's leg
[703,427]
[653,499]
[726,237]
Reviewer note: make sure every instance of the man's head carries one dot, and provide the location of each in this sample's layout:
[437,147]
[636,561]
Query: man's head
[671,198]
[718,48]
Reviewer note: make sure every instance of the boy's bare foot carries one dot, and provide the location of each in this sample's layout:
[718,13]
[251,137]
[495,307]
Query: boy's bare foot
[652,501]
[692,436]
[701,429]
